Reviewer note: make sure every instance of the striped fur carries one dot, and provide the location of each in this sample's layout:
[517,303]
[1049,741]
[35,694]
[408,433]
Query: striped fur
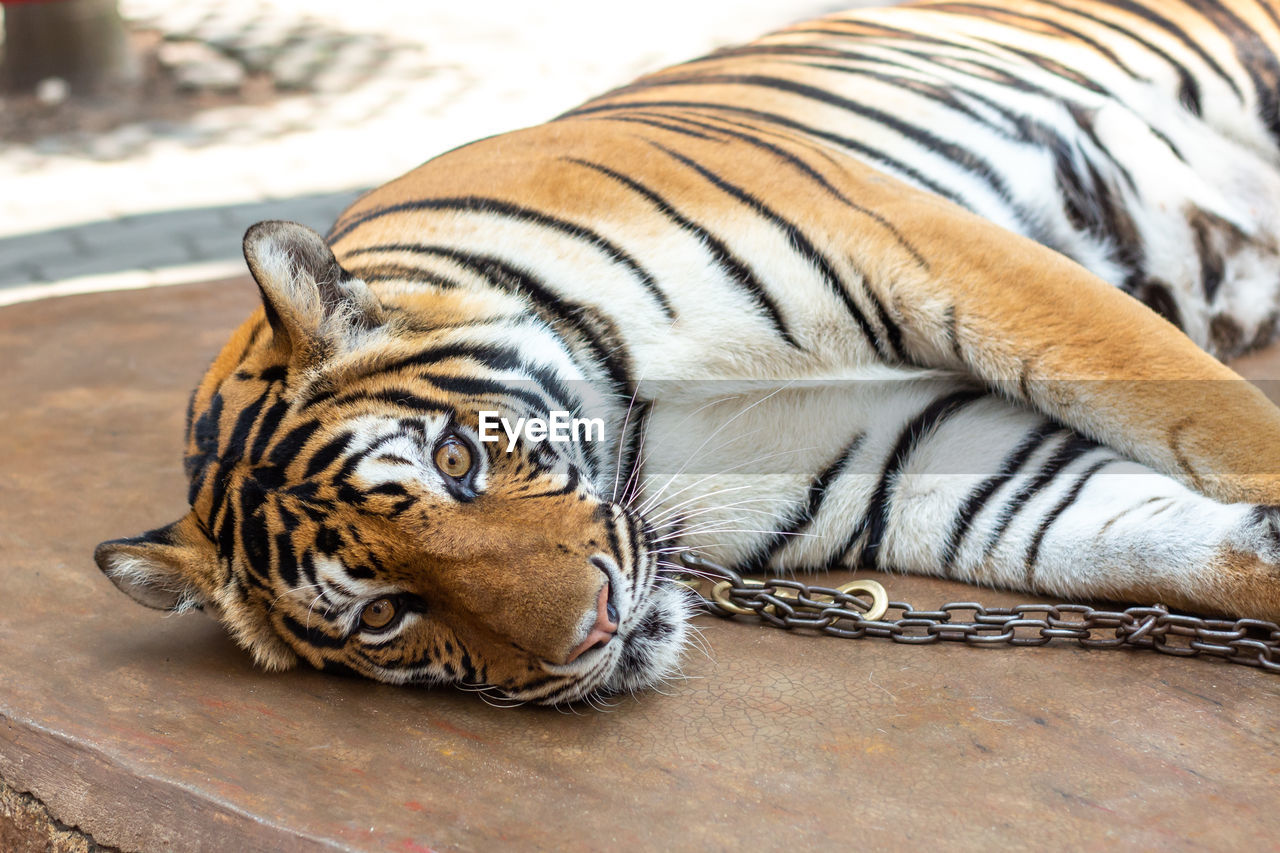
[868,292]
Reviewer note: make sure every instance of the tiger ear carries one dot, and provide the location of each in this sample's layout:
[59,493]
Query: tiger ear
[176,568]
[315,307]
[170,568]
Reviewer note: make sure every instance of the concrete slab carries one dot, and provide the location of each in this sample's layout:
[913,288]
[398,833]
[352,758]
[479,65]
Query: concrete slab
[153,732]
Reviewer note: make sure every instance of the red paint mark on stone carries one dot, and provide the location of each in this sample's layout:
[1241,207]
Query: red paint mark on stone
[452,729]
[414,805]
[268,712]
[216,704]
[232,708]
[410,846]
[134,735]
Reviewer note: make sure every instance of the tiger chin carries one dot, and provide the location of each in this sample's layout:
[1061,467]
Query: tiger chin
[346,512]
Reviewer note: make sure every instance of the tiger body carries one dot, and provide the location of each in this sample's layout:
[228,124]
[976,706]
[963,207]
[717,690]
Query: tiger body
[860,293]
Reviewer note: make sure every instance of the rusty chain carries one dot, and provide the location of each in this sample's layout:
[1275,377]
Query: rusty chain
[844,612]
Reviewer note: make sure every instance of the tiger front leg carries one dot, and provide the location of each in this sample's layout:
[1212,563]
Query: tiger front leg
[1038,328]
[933,475]
[998,495]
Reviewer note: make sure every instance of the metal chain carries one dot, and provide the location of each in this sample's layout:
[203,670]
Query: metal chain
[844,612]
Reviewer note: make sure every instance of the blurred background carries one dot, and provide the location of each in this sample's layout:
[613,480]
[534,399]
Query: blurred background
[138,138]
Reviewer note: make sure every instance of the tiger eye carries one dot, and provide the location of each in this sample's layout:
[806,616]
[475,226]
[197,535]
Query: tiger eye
[378,614]
[453,458]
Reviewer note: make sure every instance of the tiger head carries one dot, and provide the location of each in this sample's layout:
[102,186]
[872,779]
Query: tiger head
[345,511]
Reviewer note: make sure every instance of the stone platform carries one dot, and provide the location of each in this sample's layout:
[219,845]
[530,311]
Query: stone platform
[154,732]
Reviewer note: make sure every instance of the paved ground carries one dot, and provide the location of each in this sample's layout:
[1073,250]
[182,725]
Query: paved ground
[153,732]
[380,88]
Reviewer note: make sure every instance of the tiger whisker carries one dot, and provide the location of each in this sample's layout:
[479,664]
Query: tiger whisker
[711,527]
[649,503]
[740,413]
[740,506]
[629,493]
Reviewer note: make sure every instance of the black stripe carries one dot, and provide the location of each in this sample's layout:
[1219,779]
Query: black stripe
[978,498]
[1212,264]
[1050,66]
[755,131]
[963,157]
[402,272]
[785,50]
[249,345]
[1071,450]
[1033,552]
[478,386]
[1156,295]
[1253,54]
[732,267]
[1092,204]
[876,518]
[495,357]
[315,396]
[254,537]
[480,204]
[943,92]
[539,377]
[311,636]
[283,557]
[466,668]
[819,179]
[634,542]
[1071,32]
[1178,33]
[221,505]
[802,517]
[891,328]
[662,125]
[267,428]
[888,161]
[561,313]
[291,446]
[1084,119]
[632,440]
[977,65]
[224,529]
[572,479]
[327,454]
[235,449]
[615,546]
[204,435]
[1189,90]
[794,236]
[396,397]
[1188,86]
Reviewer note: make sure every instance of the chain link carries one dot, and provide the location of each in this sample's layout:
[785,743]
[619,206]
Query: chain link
[845,611]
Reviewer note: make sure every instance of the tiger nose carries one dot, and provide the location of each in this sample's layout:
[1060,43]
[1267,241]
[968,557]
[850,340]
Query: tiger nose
[603,630]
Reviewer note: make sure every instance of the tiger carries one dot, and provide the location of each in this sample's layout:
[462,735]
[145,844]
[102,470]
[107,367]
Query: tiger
[941,288]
